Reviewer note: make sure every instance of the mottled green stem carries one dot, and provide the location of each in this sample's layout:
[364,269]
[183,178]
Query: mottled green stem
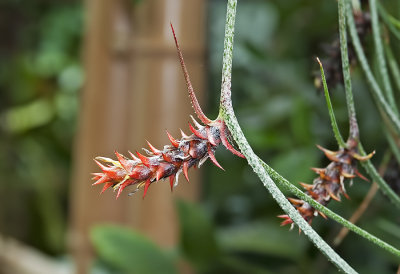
[382,67]
[394,67]
[389,21]
[228,115]
[354,131]
[375,89]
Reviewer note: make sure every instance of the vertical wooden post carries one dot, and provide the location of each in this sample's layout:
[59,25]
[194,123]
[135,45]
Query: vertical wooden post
[134,91]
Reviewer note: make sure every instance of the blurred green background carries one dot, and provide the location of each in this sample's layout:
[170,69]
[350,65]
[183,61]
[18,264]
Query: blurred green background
[281,112]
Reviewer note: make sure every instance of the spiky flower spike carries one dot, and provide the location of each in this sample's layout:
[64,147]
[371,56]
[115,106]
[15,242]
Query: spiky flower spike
[330,181]
[173,159]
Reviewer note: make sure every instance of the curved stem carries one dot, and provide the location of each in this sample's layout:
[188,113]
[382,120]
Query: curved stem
[382,68]
[300,194]
[353,132]
[365,203]
[228,115]
[376,90]
[336,132]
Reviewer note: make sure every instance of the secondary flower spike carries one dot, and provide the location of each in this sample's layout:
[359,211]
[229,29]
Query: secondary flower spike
[330,181]
[190,151]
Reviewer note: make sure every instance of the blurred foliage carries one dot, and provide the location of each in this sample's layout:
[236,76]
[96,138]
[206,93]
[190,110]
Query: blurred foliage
[40,76]
[130,252]
[281,112]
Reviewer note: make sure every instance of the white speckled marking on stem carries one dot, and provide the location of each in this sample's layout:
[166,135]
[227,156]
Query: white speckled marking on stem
[228,115]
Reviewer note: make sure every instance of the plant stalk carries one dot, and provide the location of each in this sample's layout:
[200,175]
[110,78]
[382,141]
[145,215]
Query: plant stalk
[228,115]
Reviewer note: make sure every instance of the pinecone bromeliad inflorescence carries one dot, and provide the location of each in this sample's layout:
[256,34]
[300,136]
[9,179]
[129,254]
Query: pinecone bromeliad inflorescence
[330,181]
[189,151]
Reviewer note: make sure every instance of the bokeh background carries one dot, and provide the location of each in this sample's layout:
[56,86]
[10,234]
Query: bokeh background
[79,79]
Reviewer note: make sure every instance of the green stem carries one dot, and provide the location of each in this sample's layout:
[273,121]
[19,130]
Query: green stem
[336,132]
[382,68]
[388,19]
[393,146]
[228,115]
[385,188]
[376,90]
[394,67]
[353,132]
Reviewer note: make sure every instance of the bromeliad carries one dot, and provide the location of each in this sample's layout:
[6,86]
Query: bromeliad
[189,151]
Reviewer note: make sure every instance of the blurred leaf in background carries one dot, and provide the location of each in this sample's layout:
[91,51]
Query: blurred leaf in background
[128,251]
[40,78]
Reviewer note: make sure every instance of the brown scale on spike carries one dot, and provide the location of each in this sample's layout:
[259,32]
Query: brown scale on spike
[189,151]
[330,181]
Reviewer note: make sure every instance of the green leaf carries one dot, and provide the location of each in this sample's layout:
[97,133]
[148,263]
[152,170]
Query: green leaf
[197,233]
[130,251]
[264,238]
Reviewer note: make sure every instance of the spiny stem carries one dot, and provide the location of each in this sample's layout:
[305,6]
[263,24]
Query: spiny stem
[228,115]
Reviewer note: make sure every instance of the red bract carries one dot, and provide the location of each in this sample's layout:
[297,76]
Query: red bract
[330,181]
[173,159]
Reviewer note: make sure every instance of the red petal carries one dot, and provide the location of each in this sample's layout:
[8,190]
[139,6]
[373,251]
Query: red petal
[143,159]
[124,162]
[146,187]
[196,132]
[103,179]
[153,149]
[212,157]
[174,142]
[106,186]
[166,157]
[185,170]
[210,137]
[171,181]
[133,156]
[225,141]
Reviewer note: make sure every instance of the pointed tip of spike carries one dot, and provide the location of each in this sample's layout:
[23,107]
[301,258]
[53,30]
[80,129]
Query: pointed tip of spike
[133,156]
[143,159]
[212,157]
[183,134]
[171,181]
[174,142]
[195,103]
[225,141]
[196,132]
[153,149]
[185,168]
[146,187]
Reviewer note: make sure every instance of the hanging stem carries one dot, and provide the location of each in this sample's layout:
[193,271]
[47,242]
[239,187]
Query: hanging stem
[382,68]
[353,132]
[375,89]
[228,115]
